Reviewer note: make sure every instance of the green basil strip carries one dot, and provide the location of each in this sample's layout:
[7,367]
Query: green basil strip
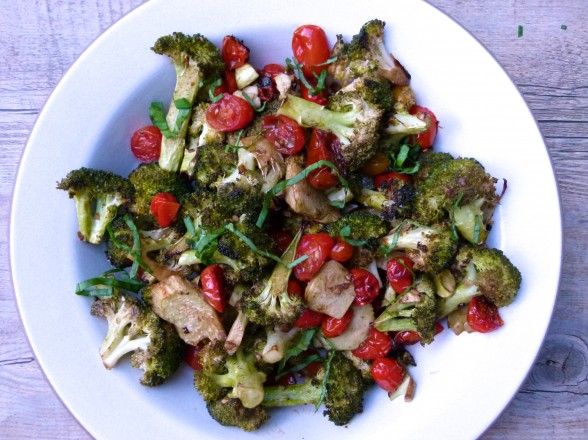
[326,377]
[212,88]
[158,118]
[247,98]
[301,365]
[302,343]
[298,67]
[293,181]
[453,227]
[297,261]
[385,250]
[85,288]
[477,227]
[184,107]
[344,234]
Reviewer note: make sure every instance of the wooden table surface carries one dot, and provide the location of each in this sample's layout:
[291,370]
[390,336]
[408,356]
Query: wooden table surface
[39,39]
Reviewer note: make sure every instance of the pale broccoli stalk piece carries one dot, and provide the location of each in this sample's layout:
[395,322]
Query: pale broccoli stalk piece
[277,343]
[195,59]
[98,195]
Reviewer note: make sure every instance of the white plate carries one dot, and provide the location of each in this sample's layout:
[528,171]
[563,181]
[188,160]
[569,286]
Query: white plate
[463,382]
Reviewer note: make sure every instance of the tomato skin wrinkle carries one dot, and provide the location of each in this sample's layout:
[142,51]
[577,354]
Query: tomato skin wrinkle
[333,327]
[164,207]
[284,134]
[366,286]
[377,344]
[317,247]
[309,319]
[311,48]
[230,113]
[234,52]
[483,315]
[146,143]
[399,272]
[211,285]
[387,373]
[318,149]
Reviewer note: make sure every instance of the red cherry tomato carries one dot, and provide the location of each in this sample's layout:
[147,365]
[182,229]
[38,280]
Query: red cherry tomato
[164,208]
[333,327]
[386,178]
[399,272]
[483,316]
[378,344]
[410,337]
[310,48]
[272,70]
[318,149]
[387,373]
[287,379]
[309,319]
[294,288]
[229,81]
[320,98]
[192,356]
[366,286]
[342,251]
[146,143]
[211,284]
[284,133]
[282,240]
[426,138]
[234,52]
[231,113]
[317,247]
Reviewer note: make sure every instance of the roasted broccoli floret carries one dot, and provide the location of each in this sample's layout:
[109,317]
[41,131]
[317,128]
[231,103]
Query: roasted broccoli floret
[354,116]
[344,392]
[98,195]
[428,161]
[366,56]
[149,179]
[195,59]
[268,301]
[234,376]
[481,271]
[231,412]
[460,189]
[431,248]
[415,310]
[394,199]
[214,162]
[362,227]
[154,344]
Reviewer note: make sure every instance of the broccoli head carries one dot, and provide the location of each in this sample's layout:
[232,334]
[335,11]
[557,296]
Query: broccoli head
[415,310]
[364,227]
[213,163]
[195,59]
[98,195]
[394,199]
[344,391]
[428,161]
[481,271]
[231,412]
[154,344]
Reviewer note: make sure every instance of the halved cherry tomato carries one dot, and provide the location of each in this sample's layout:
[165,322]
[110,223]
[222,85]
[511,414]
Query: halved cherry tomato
[309,319]
[272,70]
[282,240]
[386,178]
[400,273]
[310,48]
[317,247]
[425,139]
[366,286]
[192,357]
[318,149]
[377,164]
[410,337]
[483,316]
[377,344]
[212,286]
[342,251]
[146,143]
[387,373]
[294,288]
[333,327]
[319,98]
[164,208]
[234,52]
[230,113]
[284,133]
[229,81]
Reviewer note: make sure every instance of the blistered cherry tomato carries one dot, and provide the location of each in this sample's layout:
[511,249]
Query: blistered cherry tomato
[230,113]
[319,98]
[146,143]
[333,327]
[426,138]
[410,337]
[317,247]
[164,208]
[234,52]
[318,149]
[387,373]
[272,70]
[399,272]
[342,251]
[310,48]
[192,356]
[378,344]
[284,133]
[287,379]
[282,240]
[309,319]
[229,81]
[213,290]
[366,286]
[483,316]
[294,288]
[376,165]
[386,178]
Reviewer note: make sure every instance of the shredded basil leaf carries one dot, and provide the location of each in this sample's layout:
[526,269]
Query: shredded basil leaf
[453,208]
[345,232]
[329,359]
[211,88]
[303,341]
[104,285]
[158,119]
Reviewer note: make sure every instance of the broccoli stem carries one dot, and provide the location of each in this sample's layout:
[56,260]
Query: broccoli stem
[122,346]
[464,292]
[291,395]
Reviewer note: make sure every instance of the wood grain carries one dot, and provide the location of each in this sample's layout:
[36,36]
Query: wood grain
[39,39]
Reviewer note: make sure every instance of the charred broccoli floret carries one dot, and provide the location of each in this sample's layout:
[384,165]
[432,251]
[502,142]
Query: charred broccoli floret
[481,271]
[195,59]
[214,162]
[431,248]
[154,344]
[344,392]
[394,199]
[234,376]
[362,227]
[415,310]
[231,412]
[428,161]
[98,195]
